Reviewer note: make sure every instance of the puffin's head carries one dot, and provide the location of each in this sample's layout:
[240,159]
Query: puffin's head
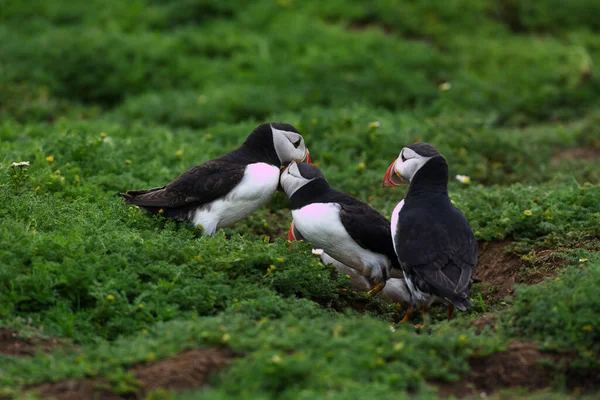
[411,159]
[296,175]
[281,142]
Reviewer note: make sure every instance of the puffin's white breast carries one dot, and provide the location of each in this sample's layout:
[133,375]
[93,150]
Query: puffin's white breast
[254,190]
[321,225]
[394,222]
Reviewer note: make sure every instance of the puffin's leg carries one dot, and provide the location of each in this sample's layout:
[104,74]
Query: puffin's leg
[450,311]
[377,288]
[407,314]
[426,319]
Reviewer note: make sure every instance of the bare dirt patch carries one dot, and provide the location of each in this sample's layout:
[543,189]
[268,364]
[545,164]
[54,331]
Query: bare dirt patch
[497,269]
[519,366]
[188,370]
[544,263]
[485,320]
[13,345]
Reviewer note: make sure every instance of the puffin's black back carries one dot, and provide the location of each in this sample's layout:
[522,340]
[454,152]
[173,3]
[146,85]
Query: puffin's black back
[434,241]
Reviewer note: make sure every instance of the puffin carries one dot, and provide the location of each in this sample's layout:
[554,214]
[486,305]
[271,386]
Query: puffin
[433,240]
[347,229]
[227,189]
[395,289]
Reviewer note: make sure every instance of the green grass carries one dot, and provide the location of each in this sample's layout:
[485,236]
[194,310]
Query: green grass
[126,95]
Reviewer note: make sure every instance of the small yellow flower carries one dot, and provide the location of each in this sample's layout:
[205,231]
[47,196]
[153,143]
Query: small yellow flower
[280,260]
[50,159]
[150,356]
[141,306]
[444,87]
[398,346]
[271,269]
[373,125]
[127,162]
[226,338]
[528,213]
[144,332]
[198,258]
[582,260]
[361,166]
[161,211]
[587,328]
[37,188]
[103,135]
[276,359]
[110,297]
[463,179]
[379,361]
[178,153]
[462,339]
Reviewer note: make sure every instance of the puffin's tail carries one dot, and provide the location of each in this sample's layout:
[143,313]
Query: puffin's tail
[132,196]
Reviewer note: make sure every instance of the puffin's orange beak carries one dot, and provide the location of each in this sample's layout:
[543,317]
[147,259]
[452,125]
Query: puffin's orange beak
[391,178]
[307,158]
[291,237]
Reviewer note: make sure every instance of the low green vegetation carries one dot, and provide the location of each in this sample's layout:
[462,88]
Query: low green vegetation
[112,96]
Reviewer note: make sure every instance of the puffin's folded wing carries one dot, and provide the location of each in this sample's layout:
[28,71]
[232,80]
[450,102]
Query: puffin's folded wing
[448,278]
[369,229]
[199,185]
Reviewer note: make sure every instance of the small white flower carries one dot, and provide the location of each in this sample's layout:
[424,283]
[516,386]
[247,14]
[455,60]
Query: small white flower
[107,139]
[463,179]
[19,164]
[317,252]
[373,125]
[444,87]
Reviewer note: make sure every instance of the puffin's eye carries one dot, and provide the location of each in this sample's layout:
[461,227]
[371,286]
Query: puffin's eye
[402,156]
[297,143]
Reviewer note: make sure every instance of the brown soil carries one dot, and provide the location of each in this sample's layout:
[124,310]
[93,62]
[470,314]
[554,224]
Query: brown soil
[544,265]
[12,345]
[517,367]
[496,269]
[189,370]
[488,319]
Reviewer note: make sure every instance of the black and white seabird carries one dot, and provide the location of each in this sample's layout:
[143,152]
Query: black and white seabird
[434,242]
[347,229]
[395,289]
[221,192]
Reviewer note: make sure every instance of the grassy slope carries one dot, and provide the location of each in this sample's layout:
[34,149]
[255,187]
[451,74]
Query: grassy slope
[106,98]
